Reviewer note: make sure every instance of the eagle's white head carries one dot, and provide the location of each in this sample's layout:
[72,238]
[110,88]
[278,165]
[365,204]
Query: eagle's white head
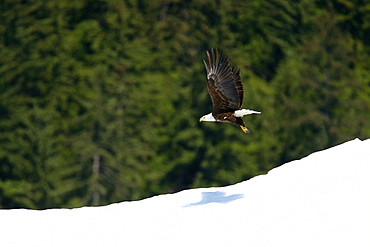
[209,117]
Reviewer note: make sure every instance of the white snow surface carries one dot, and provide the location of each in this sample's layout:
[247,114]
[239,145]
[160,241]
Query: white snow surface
[320,200]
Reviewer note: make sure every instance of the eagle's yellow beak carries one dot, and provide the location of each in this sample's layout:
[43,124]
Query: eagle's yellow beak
[201,119]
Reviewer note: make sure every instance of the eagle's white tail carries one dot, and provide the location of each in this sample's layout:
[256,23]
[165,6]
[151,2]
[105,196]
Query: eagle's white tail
[242,112]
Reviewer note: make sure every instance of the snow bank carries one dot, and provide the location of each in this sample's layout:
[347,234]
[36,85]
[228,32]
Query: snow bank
[320,200]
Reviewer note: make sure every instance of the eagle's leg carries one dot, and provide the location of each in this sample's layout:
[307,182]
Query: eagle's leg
[244,129]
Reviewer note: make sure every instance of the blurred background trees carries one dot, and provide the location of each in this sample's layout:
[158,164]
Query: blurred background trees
[100,100]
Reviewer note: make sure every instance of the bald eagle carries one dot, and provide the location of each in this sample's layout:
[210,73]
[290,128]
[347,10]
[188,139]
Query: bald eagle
[226,91]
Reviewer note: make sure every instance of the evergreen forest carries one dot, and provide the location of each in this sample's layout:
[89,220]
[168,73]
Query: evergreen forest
[100,100]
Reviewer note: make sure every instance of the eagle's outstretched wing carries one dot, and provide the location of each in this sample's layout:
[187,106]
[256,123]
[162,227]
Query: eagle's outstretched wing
[224,85]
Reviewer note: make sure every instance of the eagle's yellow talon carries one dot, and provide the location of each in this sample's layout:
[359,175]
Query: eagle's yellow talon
[245,130]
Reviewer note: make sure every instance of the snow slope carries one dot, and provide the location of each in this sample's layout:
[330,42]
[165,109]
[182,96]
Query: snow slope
[320,200]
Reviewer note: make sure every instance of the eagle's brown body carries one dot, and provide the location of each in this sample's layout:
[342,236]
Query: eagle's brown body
[226,91]
[228,117]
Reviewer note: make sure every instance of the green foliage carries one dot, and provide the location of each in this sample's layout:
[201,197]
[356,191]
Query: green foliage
[320,89]
[100,100]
